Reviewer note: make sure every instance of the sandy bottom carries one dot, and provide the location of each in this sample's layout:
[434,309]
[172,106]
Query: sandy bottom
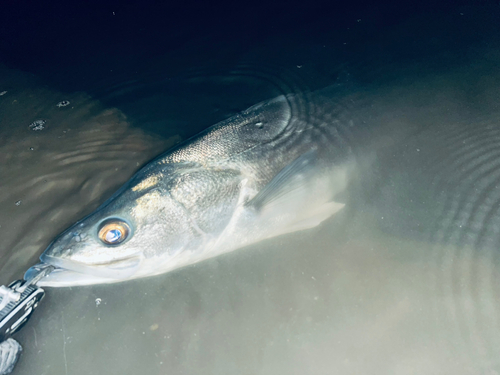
[56,175]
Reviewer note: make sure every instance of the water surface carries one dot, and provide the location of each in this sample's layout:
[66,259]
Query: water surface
[404,280]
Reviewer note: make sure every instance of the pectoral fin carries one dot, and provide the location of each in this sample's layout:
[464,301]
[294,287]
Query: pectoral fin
[288,185]
[297,198]
[316,217]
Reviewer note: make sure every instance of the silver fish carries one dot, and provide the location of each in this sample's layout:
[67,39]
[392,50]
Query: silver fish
[273,169]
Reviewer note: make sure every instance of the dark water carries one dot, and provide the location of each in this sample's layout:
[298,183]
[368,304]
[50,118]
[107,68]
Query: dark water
[404,280]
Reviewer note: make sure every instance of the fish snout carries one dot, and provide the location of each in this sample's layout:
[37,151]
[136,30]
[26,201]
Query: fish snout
[67,244]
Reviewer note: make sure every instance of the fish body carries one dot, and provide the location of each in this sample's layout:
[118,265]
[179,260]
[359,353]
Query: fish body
[274,168]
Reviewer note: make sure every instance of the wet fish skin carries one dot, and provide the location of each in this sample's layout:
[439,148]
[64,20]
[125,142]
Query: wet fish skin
[273,169]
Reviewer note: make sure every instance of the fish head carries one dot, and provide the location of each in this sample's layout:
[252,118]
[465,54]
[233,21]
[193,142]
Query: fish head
[143,227]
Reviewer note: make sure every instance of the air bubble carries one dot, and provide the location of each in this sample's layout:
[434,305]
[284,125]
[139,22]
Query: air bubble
[37,125]
[63,103]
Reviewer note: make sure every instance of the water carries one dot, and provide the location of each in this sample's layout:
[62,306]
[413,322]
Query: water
[404,280]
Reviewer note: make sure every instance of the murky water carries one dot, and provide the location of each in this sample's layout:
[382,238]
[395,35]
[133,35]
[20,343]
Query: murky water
[403,280]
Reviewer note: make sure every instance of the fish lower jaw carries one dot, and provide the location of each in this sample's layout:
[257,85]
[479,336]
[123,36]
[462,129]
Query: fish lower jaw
[68,270]
[65,278]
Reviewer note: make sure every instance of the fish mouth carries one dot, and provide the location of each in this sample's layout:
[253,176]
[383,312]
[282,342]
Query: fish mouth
[60,277]
[72,273]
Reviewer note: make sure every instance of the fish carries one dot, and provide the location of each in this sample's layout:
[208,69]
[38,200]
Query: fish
[272,169]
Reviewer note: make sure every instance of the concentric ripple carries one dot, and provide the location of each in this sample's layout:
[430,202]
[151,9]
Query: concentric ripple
[443,186]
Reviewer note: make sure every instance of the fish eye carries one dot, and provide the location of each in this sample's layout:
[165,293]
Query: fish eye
[113,231]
